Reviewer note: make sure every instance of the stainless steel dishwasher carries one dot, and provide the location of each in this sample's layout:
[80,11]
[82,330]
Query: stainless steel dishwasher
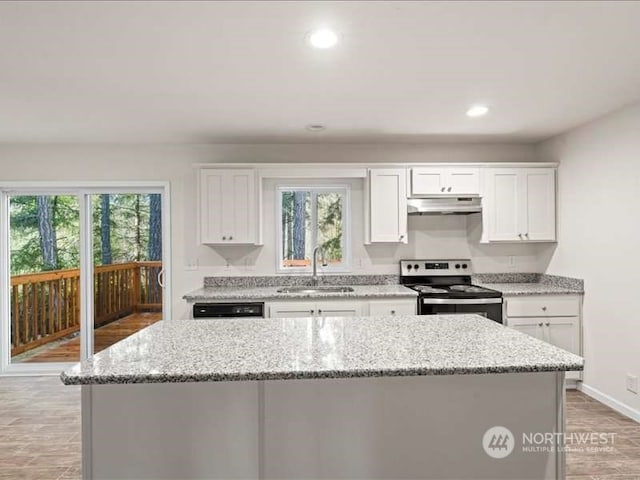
[228,310]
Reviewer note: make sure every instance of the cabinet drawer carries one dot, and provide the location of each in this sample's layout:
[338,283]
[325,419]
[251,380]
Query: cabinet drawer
[543,306]
[391,307]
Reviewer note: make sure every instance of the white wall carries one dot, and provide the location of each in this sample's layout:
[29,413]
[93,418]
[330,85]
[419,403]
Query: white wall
[598,240]
[174,164]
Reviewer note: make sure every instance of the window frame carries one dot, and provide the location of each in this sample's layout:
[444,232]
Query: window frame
[341,188]
[83,190]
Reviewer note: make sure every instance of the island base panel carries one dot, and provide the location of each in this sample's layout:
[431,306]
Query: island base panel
[387,427]
[409,427]
[172,431]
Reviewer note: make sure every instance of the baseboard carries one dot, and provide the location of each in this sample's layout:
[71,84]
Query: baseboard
[609,401]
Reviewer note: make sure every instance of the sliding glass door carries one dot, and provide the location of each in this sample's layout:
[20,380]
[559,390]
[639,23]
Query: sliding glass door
[84,269]
[127,265]
[44,265]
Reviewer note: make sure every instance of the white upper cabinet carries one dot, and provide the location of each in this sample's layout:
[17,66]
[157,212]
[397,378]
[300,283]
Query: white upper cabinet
[387,202]
[540,223]
[445,181]
[519,205]
[228,206]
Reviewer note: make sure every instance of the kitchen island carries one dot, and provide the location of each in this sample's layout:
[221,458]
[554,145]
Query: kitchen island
[338,397]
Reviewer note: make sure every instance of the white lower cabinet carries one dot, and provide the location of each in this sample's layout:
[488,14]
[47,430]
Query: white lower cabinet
[322,308]
[291,309]
[393,307]
[553,319]
[342,308]
[530,326]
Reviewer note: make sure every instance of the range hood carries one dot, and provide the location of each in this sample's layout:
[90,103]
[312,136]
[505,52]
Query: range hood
[444,206]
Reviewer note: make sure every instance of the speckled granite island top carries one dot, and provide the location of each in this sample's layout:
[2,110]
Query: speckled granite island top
[333,347]
[271,293]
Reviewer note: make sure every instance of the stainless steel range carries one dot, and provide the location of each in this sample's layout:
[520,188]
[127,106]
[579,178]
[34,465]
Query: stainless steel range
[445,287]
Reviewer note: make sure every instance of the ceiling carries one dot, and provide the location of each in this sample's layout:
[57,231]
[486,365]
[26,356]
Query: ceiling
[241,72]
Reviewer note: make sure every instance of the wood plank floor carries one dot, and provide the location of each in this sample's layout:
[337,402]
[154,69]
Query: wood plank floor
[69,350]
[622,461]
[40,433]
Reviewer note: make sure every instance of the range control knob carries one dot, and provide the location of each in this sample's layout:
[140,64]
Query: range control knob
[464,265]
[457,265]
[409,267]
[416,266]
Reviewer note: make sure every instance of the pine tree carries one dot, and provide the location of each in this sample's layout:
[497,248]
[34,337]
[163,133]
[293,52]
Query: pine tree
[155,227]
[105,229]
[47,233]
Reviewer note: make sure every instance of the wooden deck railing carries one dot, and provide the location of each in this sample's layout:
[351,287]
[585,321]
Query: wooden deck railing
[46,306]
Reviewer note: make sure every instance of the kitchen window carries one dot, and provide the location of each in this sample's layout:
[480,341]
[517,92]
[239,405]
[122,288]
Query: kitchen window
[310,217]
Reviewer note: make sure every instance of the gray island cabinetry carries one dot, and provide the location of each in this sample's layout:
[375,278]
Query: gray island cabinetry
[397,396]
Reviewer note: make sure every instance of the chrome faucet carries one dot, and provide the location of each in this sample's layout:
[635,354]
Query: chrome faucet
[314,277]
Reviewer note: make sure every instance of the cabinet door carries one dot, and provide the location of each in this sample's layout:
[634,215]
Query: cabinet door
[463,181]
[540,213]
[339,309]
[239,207]
[563,333]
[227,206]
[292,309]
[392,307]
[445,181]
[427,181]
[211,195]
[530,326]
[388,205]
[504,205]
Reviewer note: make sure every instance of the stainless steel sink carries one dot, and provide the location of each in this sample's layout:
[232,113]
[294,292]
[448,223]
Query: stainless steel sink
[311,290]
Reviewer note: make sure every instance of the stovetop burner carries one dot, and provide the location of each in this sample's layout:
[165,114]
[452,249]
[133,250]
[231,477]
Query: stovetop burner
[467,288]
[429,289]
[452,290]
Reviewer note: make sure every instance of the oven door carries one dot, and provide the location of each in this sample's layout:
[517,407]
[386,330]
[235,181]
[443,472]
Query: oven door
[487,307]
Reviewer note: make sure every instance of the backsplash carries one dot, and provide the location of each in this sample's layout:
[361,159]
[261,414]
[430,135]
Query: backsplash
[515,277]
[388,279]
[299,280]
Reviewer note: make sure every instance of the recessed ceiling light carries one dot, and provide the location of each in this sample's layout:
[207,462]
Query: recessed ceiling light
[322,38]
[477,111]
[315,127]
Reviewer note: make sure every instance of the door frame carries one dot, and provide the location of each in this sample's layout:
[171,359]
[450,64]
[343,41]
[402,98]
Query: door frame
[82,190]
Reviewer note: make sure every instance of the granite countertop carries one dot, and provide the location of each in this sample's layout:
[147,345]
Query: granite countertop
[271,293]
[512,284]
[332,347]
[516,289]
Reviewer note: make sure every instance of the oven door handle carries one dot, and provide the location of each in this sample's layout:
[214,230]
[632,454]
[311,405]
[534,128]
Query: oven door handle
[461,301]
